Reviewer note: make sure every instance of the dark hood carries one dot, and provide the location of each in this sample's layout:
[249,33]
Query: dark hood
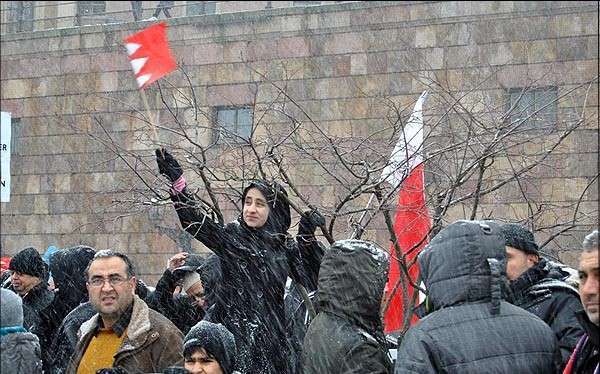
[455,267]
[352,278]
[210,274]
[280,218]
[68,267]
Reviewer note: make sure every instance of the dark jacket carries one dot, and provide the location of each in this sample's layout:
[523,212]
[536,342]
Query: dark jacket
[297,316]
[34,304]
[68,271]
[255,264]
[152,343]
[541,290]
[586,355]
[347,335]
[472,329]
[64,342]
[179,309]
[20,353]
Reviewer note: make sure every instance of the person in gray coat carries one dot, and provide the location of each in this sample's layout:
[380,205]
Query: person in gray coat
[347,335]
[471,328]
[19,349]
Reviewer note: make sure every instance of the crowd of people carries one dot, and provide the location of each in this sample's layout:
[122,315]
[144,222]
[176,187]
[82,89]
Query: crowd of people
[267,302]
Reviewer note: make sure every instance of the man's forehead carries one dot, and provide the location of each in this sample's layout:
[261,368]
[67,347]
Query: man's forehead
[588,260]
[107,266]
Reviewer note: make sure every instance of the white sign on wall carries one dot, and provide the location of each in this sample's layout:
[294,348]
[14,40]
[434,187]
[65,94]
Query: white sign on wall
[5,157]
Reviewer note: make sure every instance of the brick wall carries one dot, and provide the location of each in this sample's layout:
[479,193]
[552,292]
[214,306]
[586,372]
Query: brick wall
[344,57]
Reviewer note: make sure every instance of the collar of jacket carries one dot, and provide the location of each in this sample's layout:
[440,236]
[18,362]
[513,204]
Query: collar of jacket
[590,329]
[137,330]
[11,330]
[120,326]
[530,277]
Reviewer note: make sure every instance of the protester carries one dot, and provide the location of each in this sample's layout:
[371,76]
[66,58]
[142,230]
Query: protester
[347,333]
[256,256]
[28,280]
[19,349]
[209,348]
[184,310]
[65,340]
[539,287]
[68,268]
[586,356]
[47,257]
[471,329]
[125,332]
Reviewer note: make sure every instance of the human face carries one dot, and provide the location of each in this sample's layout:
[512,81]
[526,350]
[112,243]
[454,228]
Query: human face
[114,293]
[588,284]
[201,363]
[256,209]
[23,283]
[518,262]
[196,292]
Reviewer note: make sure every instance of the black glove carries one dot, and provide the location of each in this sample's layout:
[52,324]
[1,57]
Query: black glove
[167,165]
[309,222]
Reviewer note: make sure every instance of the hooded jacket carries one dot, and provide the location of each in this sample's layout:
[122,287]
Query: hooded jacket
[20,352]
[255,264]
[472,329]
[347,335]
[216,340]
[151,345]
[541,290]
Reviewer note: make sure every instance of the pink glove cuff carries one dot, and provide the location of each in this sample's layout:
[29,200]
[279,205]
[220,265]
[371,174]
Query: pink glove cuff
[178,185]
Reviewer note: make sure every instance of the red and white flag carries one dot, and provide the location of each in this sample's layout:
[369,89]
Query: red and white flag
[149,54]
[412,222]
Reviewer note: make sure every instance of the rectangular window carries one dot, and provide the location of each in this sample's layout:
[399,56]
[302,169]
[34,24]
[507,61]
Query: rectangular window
[196,8]
[21,16]
[91,8]
[233,124]
[533,108]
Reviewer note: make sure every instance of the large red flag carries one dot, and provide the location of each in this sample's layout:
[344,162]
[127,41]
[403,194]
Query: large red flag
[149,54]
[412,222]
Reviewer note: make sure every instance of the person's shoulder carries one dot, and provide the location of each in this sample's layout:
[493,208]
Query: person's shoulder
[161,323]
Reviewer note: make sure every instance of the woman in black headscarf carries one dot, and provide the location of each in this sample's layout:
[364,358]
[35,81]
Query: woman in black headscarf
[257,255]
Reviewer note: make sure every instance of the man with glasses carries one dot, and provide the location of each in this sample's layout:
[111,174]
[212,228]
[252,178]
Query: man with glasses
[124,333]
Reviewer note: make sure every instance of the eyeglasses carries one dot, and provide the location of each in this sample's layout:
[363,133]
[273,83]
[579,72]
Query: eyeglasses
[113,280]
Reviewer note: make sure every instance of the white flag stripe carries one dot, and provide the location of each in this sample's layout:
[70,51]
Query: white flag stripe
[143,79]
[138,64]
[132,47]
[407,152]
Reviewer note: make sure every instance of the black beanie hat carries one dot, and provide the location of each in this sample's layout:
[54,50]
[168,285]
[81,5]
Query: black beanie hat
[519,237]
[216,340]
[29,261]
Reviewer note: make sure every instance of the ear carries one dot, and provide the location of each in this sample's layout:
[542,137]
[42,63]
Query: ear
[133,283]
[532,259]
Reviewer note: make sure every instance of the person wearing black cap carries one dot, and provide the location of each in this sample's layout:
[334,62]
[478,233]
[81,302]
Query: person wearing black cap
[539,287]
[28,280]
[257,255]
[209,348]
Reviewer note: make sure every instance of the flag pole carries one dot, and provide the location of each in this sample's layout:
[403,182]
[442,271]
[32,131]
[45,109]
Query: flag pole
[149,113]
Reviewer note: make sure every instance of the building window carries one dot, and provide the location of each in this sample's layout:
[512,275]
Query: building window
[91,8]
[532,108]
[234,124]
[197,8]
[21,16]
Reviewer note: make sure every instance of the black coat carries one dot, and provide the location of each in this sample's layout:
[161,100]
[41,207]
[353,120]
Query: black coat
[541,290]
[65,340]
[472,329]
[586,357]
[255,264]
[179,309]
[347,335]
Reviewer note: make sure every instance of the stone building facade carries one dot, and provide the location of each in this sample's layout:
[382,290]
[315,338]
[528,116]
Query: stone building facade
[345,58]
